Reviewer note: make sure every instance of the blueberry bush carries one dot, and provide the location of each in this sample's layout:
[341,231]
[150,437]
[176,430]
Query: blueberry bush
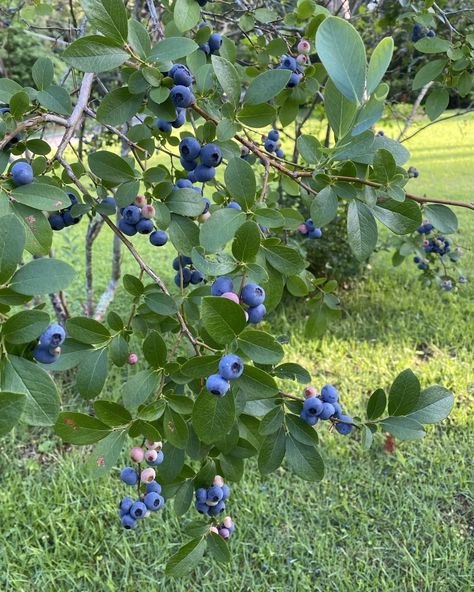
[208,388]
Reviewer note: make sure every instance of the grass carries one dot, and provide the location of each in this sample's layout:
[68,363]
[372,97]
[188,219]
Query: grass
[378,521]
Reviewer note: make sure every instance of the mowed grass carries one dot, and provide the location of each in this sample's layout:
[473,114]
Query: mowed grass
[378,521]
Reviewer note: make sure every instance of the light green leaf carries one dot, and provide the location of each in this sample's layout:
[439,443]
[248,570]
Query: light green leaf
[12,242]
[361,229]
[227,76]
[55,98]
[11,408]
[172,48]
[119,106]
[266,86]
[41,196]
[379,62]
[108,16]
[95,54]
[42,276]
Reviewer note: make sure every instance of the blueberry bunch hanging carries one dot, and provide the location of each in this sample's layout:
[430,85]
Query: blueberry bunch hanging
[310,230]
[63,218]
[138,218]
[230,368]
[252,295]
[325,407]
[419,32]
[186,273]
[212,44]
[272,144]
[181,95]
[296,65]
[48,349]
[225,528]
[211,501]
[209,156]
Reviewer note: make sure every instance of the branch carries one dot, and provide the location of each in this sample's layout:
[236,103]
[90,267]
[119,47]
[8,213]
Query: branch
[33,122]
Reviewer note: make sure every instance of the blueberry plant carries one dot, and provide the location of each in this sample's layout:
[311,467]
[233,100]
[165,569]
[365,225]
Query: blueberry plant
[207,386]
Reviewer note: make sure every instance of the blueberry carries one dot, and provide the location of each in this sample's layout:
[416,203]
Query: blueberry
[207,203]
[126,228]
[270,145]
[288,62]
[177,261]
[192,177]
[310,419]
[315,233]
[131,214]
[181,183]
[338,409]
[273,135]
[188,165]
[280,153]
[153,486]
[22,173]
[225,492]
[189,148]
[158,238]
[327,411]
[344,428]
[309,224]
[54,336]
[202,508]
[42,354]
[180,118]
[430,33]
[125,505]
[182,96]
[196,277]
[160,457]
[138,510]
[214,494]
[129,476]
[294,80]
[215,42]
[201,495]
[183,276]
[69,220]
[416,259]
[222,284]
[253,295]
[234,205]
[211,155]
[164,126]
[107,200]
[145,226]
[153,501]
[181,75]
[312,406]
[56,222]
[204,173]
[128,522]
[256,313]
[217,509]
[231,366]
[217,385]
[329,393]
[205,47]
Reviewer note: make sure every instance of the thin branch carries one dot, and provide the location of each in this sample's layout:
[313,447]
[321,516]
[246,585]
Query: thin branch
[30,123]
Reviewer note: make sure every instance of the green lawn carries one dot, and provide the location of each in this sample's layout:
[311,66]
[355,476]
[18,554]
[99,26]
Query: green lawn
[378,522]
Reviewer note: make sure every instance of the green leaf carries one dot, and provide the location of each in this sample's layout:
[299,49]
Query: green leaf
[213,417]
[284,259]
[42,276]
[432,45]
[55,98]
[222,318]
[118,350]
[78,428]
[172,48]
[378,64]
[19,104]
[227,76]
[220,228]
[340,111]
[11,408]
[95,54]
[186,14]
[260,347]
[218,548]
[184,234]
[226,130]
[154,350]
[293,372]
[368,115]
[404,393]
[436,103]
[272,452]
[201,366]
[366,438]
[385,167]
[41,196]
[323,208]
[309,148]
[428,72]
[342,52]
[256,384]
[376,404]
[213,264]
[119,106]
[301,431]
[247,242]
[272,421]
[39,235]
[111,413]
[185,202]
[43,73]
[139,388]
[92,373]
[304,460]
[186,558]
[184,497]
[434,404]
[240,181]
[442,218]
[42,403]
[162,304]
[401,217]
[266,86]
[110,167]
[138,38]
[24,326]
[175,428]
[8,88]
[106,454]
[108,16]
[257,115]
[404,428]
[12,243]
[87,330]
[361,230]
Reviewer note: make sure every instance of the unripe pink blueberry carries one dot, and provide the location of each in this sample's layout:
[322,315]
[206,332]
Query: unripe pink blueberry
[204,217]
[426,243]
[137,454]
[304,46]
[224,532]
[303,229]
[231,296]
[140,201]
[148,211]
[132,359]
[151,455]
[227,522]
[147,475]
[302,59]
[214,530]
[310,391]
[218,480]
[153,445]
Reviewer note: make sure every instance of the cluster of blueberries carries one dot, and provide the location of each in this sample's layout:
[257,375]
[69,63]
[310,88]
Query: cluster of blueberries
[15,139]
[271,143]
[137,217]
[413,172]
[213,44]
[48,348]
[310,230]
[419,32]
[324,407]
[209,155]
[130,510]
[252,295]
[181,95]
[186,274]
[230,367]
[63,218]
[225,528]
[296,65]
[22,173]
[211,501]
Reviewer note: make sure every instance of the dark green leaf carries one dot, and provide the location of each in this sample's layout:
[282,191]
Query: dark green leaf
[95,54]
[12,242]
[11,408]
[404,428]
[92,373]
[227,76]
[272,452]
[256,384]
[261,347]
[247,242]
[218,548]
[240,181]
[376,404]
[119,106]
[108,16]
[213,417]
[434,405]
[186,558]
[304,460]
[87,330]
[361,229]
[78,428]
[442,218]
[404,393]
[24,326]
[220,228]
[41,196]
[222,318]
[139,388]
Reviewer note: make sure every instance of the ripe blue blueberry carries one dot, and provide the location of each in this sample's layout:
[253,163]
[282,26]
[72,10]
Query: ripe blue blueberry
[182,183]
[315,233]
[217,509]
[256,313]
[42,354]
[288,62]
[201,495]
[204,173]
[188,165]
[214,494]
[164,126]
[181,75]
[138,509]
[158,238]
[202,508]
[215,42]
[56,221]
[153,486]
[54,336]
[69,220]
[126,228]
[273,135]
[131,214]
[280,153]
[192,176]
[221,285]
[294,80]
[205,47]
[196,277]
[234,205]
[183,275]
[145,226]
[329,393]
[253,295]
[310,419]
[309,224]
[125,504]
[231,366]
[153,501]
[217,385]
[129,476]
[189,148]
[327,411]
[312,406]
[128,522]
[270,145]
[180,118]
[225,492]
[211,155]
[182,96]
[344,428]
[22,173]
[338,409]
